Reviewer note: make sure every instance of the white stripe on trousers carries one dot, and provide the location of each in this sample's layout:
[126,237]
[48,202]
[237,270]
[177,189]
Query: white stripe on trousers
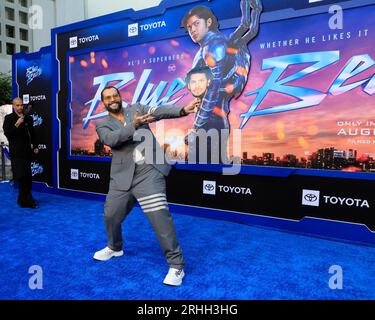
[149,206]
[152,196]
[155,209]
[153,200]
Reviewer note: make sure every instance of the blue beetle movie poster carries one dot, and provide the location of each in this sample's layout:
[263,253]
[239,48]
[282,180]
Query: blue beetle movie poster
[300,93]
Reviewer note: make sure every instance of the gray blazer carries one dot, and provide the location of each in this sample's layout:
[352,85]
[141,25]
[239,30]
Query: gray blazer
[119,137]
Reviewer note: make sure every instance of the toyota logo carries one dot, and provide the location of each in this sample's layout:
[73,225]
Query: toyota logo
[310,197]
[209,187]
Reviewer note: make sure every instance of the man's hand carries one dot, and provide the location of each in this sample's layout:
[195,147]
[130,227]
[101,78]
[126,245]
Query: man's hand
[19,121]
[192,106]
[140,120]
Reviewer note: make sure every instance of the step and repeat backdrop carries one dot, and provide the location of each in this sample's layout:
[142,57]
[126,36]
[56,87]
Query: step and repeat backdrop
[32,82]
[295,89]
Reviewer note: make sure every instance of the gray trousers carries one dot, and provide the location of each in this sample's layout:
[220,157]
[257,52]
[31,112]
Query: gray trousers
[148,188]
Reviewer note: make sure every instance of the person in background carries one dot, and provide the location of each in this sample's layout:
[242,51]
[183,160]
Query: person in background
[18,128]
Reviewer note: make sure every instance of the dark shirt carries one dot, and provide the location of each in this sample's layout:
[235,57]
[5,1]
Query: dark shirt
[21,138]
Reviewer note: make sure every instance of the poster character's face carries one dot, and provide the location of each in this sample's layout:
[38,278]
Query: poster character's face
[198,28]
[198,84]
[112,100]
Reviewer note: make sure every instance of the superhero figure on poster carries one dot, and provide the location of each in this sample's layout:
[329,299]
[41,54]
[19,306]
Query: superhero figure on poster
[228,59]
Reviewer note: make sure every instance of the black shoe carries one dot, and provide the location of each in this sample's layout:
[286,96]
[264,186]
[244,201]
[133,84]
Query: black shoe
[32,206]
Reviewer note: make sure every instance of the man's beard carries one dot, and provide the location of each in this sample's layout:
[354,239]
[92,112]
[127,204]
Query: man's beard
[199,96]
[112,110]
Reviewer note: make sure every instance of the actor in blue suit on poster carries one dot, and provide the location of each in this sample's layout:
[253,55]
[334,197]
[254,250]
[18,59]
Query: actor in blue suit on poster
[229,61]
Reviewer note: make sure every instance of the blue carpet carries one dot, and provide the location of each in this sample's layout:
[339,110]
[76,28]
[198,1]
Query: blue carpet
[224,260]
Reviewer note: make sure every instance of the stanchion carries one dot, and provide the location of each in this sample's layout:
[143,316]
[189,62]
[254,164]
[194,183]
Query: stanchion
[3,175]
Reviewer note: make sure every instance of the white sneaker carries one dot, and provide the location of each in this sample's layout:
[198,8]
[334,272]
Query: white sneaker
[106,254]
[174,277]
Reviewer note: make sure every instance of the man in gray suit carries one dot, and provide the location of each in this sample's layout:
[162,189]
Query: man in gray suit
[131,181]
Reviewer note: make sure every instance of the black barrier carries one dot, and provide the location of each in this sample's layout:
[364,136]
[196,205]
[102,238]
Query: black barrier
[3,174]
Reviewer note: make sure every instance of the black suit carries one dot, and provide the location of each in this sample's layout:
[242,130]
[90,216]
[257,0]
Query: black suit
[20,151]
